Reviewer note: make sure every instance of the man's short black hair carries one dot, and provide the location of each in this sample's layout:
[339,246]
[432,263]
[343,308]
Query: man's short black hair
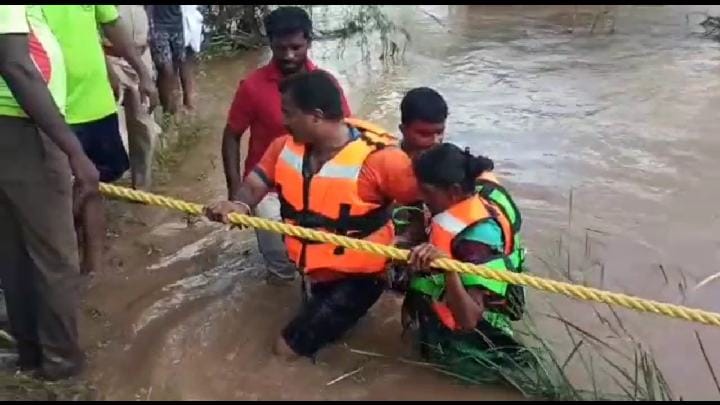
[423,104]
[314,90]
[288,20]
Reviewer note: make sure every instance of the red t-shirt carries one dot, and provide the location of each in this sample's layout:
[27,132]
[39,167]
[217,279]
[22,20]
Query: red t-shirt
[257,105]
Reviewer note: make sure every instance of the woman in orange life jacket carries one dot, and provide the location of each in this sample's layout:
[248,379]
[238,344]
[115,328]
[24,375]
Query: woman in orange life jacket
[337,176]
[449,309]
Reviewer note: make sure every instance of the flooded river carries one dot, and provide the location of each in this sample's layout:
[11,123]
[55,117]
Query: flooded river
[608,142]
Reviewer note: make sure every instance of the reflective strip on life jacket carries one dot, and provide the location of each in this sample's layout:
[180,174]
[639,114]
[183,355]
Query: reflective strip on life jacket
[329,201]
[291,159]
[330,170]
[449,223]
[444,229]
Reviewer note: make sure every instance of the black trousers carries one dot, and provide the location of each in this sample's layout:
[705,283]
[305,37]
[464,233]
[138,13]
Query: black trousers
[102,142]
[333,308]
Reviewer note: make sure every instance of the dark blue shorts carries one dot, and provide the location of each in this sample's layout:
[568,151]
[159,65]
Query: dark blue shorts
[103,144]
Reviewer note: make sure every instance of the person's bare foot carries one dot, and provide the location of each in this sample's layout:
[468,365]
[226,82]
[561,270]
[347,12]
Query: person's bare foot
[282,350]
[188,109]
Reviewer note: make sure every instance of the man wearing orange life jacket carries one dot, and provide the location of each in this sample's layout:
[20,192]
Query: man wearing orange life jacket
[423,115]
[334,175]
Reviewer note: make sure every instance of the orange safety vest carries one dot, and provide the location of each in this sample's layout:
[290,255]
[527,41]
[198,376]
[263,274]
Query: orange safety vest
[450,223]
[329,201]
[446,226]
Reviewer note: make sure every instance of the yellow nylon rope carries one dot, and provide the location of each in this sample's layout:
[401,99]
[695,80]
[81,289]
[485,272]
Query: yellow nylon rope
[539,283]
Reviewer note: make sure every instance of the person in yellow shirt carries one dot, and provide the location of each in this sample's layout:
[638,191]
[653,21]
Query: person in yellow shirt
[91,109]
[39,155]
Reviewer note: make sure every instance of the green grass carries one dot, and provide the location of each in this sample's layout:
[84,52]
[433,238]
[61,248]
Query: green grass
[177,139]
[570,362]
[625,370]
[21,387]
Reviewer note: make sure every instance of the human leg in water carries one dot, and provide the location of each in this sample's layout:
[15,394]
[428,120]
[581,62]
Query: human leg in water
[279,269]
[333,309]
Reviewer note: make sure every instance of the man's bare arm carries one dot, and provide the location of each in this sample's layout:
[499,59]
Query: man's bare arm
[30,91]
[251,191]
[123,46]
[113,78]
[231,159]
[247,196]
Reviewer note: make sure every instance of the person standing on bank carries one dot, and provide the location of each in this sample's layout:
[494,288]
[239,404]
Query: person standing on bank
[39,155]
[137,123]
[174,53]
[257,106]
[91,107]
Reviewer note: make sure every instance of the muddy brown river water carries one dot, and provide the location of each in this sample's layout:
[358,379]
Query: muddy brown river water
[608,141]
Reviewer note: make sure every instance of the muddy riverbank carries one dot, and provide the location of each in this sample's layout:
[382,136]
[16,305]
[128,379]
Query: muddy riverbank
[608,142]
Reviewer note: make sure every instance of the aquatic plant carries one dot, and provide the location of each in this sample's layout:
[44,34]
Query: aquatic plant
[613,366]
[564,360]
[232,28]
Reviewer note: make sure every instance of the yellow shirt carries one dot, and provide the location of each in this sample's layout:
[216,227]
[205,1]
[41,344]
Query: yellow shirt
[44,50]
[89,94]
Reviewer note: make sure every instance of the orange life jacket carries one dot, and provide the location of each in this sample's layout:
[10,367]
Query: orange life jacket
[328,200]
[489,188]
[446,226]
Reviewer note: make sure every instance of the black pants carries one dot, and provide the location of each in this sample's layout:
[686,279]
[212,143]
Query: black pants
[334,308]
[102,142]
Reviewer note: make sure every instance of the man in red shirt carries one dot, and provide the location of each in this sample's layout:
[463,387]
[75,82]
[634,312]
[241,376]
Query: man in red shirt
[257,105]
